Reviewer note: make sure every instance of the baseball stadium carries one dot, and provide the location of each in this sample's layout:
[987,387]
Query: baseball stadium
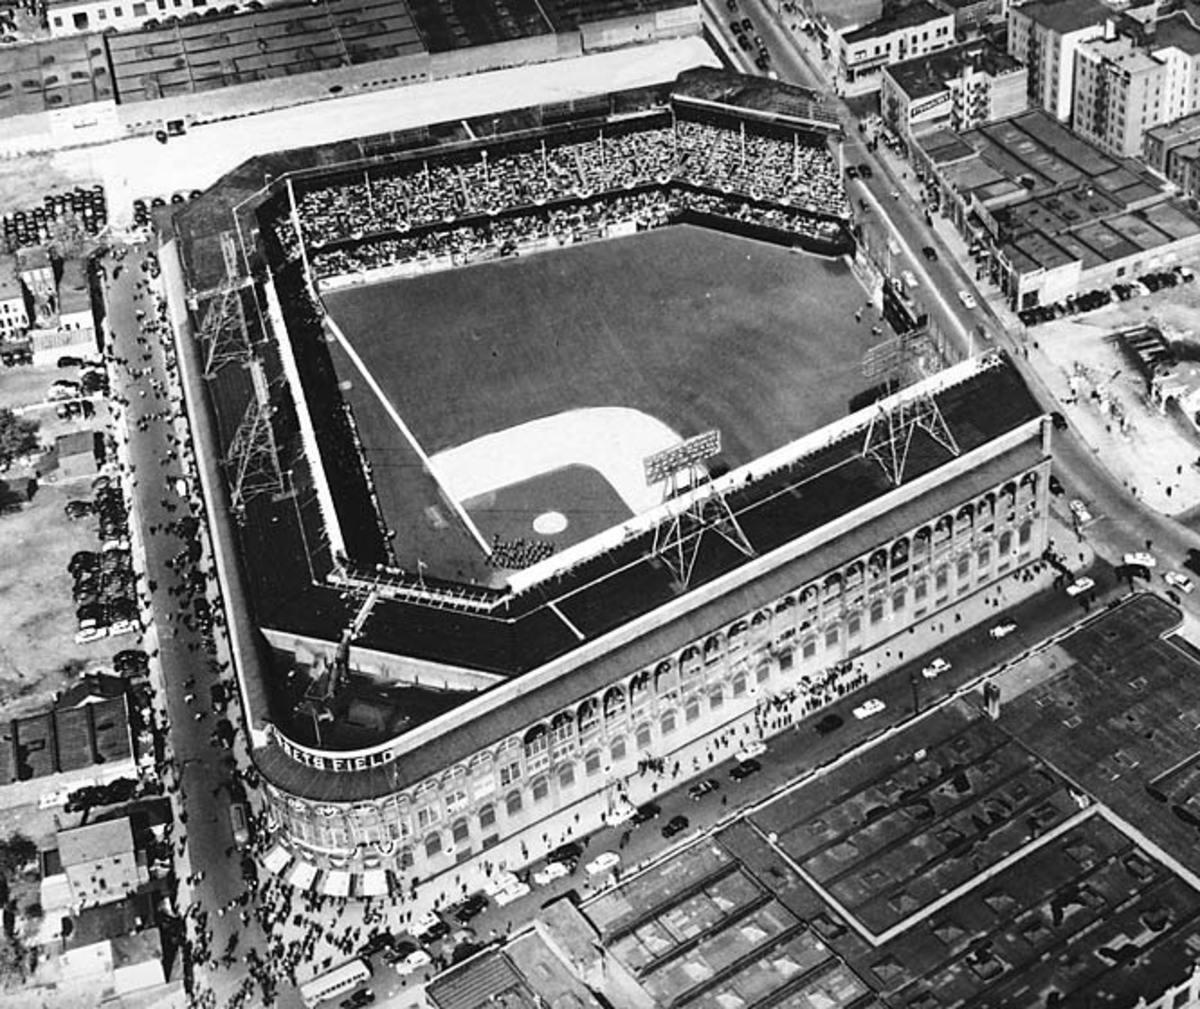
[547,449]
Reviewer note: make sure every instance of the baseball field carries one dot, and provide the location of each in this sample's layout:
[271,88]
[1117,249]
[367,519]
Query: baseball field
[683,329]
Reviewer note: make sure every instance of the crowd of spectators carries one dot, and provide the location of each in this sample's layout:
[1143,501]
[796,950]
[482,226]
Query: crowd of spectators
[464,203]
[464,243]
[513,555]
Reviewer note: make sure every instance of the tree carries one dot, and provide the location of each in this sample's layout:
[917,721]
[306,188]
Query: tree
[18,437]
[16,852]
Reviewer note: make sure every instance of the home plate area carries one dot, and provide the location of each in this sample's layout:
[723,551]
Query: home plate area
[527,521]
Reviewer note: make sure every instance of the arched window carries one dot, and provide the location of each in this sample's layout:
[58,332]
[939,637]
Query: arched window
[643,737]
[832,587]
[512,803]
[1005,542]
[617,748]
[589,717]
[899,553]
[562,730]
[566,775]
[712,648]
[614,703]
[737,637]
[537,743]
[433,845]
[666,722]
[738,686]
[877,565]
[810,598]
[540,789]
[854,575]
[689,661]
[665,679]
[964,519]
[639,689]
[591,763]
[460,832]
[942,529]
[691,710]
[716,697]
[487,816]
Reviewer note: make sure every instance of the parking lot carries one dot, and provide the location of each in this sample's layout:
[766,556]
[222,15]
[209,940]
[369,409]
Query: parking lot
[1098,385]
[38,651]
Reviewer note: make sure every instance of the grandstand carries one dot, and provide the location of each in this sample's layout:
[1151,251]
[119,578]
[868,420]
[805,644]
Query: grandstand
[422,642]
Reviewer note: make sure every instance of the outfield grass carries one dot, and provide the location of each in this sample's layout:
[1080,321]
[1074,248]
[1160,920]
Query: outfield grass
[697,328]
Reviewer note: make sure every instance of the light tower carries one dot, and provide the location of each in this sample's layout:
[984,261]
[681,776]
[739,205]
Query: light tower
[252,462]
[900,362]
[680,470]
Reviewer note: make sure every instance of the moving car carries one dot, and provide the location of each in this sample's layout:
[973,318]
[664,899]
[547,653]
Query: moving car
[702,788]
[868,708]
[1140,559]
[675,825]
[1179,581]
[1079,510]
[742,771]
[967,299]
[1055,485]
[830,723]
[645,813]
[1002,630]
[1080,586]
[935,668]
[606,861]
[930,253]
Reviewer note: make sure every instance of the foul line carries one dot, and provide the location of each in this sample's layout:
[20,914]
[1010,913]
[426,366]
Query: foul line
[404,430]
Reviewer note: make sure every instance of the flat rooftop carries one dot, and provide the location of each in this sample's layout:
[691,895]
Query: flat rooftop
[909,16]
[276,42]
[1063,16]
[927,75]
[1057,198]
[54,74]
[962,861]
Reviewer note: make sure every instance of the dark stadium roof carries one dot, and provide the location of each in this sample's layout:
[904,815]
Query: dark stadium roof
[259,45]
[845,481]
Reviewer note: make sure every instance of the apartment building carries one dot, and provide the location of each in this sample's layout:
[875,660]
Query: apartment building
[1118,94]
[1044,35]
[13,317]
[961,87]
[915,30]
[1173,150]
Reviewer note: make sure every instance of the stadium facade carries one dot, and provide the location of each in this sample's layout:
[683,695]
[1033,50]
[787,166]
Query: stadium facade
[409,723]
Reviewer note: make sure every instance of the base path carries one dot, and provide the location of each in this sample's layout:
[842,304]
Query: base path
[611,440]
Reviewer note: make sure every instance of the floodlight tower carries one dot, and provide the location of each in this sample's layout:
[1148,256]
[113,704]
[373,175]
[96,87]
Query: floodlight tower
[223,332]
[252,460]
[900,362]
[680,470]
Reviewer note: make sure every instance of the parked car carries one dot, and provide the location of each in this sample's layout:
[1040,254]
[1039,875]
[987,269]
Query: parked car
[1002,630]
[1079,510]
[750,751]
[606,861]
[930,253]
[550,872]
[417,960]
[1179,581]
[701,788]
[742,771]
[67,361]
[569,853]
[1140,559]
[967,299]
[1058,420]
[78,509]
[510,893]
[468,908]
[675,825]
[1056,487]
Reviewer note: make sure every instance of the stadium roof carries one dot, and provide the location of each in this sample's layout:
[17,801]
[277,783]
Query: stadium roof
[628,582]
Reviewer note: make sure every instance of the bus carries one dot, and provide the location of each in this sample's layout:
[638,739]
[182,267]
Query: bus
[335,982]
